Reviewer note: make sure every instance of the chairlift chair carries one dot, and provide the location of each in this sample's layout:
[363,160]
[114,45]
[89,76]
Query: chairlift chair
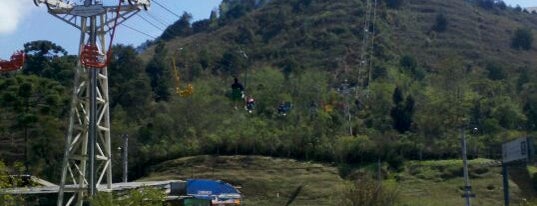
[16,62]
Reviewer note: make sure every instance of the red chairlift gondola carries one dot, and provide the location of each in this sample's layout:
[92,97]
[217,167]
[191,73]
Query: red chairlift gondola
[92,57]
[15,62]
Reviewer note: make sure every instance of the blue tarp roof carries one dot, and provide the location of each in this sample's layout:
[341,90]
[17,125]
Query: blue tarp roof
[204,189]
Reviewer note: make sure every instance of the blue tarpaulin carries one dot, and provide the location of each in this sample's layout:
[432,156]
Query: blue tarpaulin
[208,189]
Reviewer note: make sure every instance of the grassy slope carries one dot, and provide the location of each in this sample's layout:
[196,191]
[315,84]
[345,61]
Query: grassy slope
[261,178]
[477,34]
[428,183]
[436,183]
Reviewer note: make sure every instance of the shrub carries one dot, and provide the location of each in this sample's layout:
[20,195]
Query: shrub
[367,191]
[534,180]
[379,72]
[7,182]
[500,4]
[496,72]
[523,39]
[144,196]
[394,4]
[518,8]
[408,63]
[486,4]
[441,23]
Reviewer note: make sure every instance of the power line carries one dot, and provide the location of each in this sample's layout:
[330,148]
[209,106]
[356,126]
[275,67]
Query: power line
[165,8]
[141,32]
[157,20]
[372,43]
[151,23]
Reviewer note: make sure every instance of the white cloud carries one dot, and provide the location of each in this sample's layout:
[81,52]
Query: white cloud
[11,13]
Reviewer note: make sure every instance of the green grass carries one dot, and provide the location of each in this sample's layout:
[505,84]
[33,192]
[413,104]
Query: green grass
[438,183]
[271,181]
[262,180]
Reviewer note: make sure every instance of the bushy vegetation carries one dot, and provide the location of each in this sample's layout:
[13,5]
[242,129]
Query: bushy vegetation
[367,191]
[137,197]
[394,4]
[441,23]
[522,39]
[7,182]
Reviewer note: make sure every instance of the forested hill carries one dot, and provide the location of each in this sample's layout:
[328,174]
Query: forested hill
[416,72]
[322,34]
[435,66]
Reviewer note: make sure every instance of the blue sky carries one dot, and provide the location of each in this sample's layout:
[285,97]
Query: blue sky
[21,21]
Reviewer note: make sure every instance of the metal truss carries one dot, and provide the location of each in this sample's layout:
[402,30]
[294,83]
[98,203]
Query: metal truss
[88,154]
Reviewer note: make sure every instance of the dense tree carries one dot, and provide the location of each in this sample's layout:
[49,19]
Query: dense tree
[234,9]
[409,66]
[49,60]
[201,26]
[501,4]
[441,23]
[518,8]
[35,106]
[158,70]
[486,4]
[394,4]
[523,39]
[530,110]
[129,83]
[408,63]
[402,112]
[495,72]
[232,63]
[181,27]
[213,19]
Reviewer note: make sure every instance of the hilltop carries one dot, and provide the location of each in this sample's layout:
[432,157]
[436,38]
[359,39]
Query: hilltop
[329,35]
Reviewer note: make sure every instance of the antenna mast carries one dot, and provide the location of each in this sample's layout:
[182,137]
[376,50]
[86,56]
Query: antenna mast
[88,154]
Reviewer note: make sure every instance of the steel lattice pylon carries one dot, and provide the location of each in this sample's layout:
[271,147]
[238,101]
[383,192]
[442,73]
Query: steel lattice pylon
[89,119]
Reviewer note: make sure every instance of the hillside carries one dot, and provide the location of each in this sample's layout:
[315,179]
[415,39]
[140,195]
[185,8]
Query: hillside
[319,34]
[399,89]
[261,179]
[395,83]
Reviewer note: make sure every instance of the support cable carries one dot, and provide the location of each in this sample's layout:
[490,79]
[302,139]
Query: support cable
[165,8]
[160,21]
[372,52]
[151,23]
[141,32]
[365,45]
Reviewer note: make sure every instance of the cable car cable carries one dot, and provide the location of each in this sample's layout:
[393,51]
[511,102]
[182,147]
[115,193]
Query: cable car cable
[158,4]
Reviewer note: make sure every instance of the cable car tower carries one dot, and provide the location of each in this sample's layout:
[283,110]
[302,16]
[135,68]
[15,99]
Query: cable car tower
[88,154]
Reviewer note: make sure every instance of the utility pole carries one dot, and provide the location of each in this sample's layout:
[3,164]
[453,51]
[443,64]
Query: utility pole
[88,137]
[505,181]
[125,154]
[467,188]
[345,91]
[379,172]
